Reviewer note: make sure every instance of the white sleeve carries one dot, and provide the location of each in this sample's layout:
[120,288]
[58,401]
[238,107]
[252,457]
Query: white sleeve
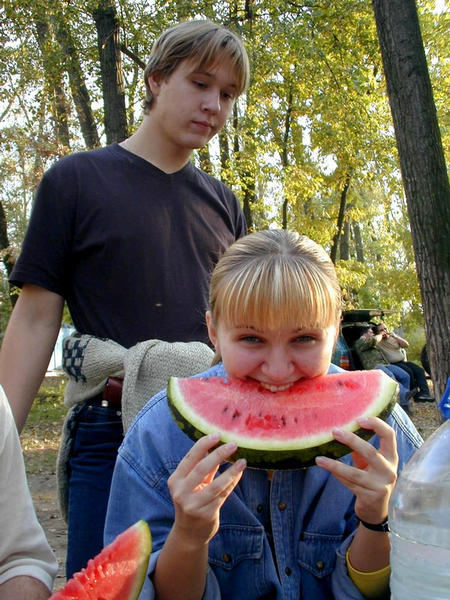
[24,549]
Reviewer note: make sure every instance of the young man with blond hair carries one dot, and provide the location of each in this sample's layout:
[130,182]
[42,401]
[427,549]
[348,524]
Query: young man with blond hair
[127,235]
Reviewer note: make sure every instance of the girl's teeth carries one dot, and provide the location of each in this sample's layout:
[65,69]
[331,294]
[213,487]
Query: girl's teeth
[276,388]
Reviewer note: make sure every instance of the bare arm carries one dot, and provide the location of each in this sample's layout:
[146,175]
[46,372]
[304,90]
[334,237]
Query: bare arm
[400,341]
[23,588]
[377,337]
[27,347]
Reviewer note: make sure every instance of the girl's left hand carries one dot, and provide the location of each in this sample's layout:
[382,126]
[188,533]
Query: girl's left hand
[373,476]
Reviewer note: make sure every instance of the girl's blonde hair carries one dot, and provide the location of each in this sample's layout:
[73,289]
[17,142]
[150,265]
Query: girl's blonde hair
[275,278]
[203,42]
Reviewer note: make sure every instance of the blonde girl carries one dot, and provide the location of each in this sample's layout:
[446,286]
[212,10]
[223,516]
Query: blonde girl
[230,532]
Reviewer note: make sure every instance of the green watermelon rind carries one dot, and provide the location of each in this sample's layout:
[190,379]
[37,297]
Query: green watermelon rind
[266,454]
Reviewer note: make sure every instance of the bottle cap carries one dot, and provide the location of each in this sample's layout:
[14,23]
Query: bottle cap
[444,404]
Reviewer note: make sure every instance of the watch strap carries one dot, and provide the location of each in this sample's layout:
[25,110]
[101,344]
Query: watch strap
[383,526]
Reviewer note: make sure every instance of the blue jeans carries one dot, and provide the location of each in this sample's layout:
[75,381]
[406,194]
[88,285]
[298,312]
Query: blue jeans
[416,375]
[97,435]
[401,377]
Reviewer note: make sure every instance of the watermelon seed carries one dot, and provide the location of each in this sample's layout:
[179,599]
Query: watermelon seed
[283,421]
[224,410]
[236,414]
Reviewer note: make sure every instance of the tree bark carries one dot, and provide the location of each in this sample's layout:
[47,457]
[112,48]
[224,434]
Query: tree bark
[78,86]
[105,18]
[284,151]
[224,150]
[4,242]
[7,257]
[340,221]
[247,180]
[423,170]
[344,245]
[52,74]
[205,159]
[359,246]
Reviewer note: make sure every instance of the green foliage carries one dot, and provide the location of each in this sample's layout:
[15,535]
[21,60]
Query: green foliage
[5,305]
[315,116]
[41,434]
[416,339]
[49,400]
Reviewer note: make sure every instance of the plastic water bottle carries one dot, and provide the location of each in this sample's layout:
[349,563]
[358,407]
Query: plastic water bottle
[419,520]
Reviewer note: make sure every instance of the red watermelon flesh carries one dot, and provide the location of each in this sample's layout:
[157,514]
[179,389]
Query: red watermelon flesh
[116,573]
[285,428]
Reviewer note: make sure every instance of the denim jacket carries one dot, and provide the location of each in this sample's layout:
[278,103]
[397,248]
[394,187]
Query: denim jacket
[311,515]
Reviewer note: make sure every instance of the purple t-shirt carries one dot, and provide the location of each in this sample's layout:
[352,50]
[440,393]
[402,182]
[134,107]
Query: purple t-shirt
[128,246]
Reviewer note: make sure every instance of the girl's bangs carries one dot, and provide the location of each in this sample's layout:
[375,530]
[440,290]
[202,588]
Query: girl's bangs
[274,299]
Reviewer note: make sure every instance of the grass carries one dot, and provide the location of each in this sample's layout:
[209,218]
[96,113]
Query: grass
[41,434]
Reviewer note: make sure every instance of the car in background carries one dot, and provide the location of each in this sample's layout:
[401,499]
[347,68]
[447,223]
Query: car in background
[352,324]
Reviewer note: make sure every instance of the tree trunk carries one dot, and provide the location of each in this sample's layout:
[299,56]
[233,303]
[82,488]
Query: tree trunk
[423,170]
[249,199]
[224,149]
[7,257]
[52,74]
[359,246]
[247,180]
[205,159]
[285,153]
[78,87]
[138,65]
[226,174]
[344,245]
[111,71]
[340,221]
[4,242]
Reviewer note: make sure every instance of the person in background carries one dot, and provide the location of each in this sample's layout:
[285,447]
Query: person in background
[393,348]
[366,346]
[127,235]
[224,532]
[27,564]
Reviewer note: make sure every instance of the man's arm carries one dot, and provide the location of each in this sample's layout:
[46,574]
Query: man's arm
[23,588]
[27,347]
[400,341]
[365,343]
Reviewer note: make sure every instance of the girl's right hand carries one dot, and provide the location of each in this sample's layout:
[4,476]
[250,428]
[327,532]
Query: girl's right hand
[196,493]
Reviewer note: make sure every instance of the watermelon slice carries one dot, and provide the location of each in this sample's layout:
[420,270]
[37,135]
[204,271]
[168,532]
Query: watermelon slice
[285,429]
[117,572]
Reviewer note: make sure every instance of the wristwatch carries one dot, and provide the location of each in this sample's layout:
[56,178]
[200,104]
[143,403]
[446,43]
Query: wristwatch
[383,526]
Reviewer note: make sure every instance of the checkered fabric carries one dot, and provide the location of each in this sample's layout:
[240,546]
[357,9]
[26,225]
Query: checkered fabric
[145,369]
